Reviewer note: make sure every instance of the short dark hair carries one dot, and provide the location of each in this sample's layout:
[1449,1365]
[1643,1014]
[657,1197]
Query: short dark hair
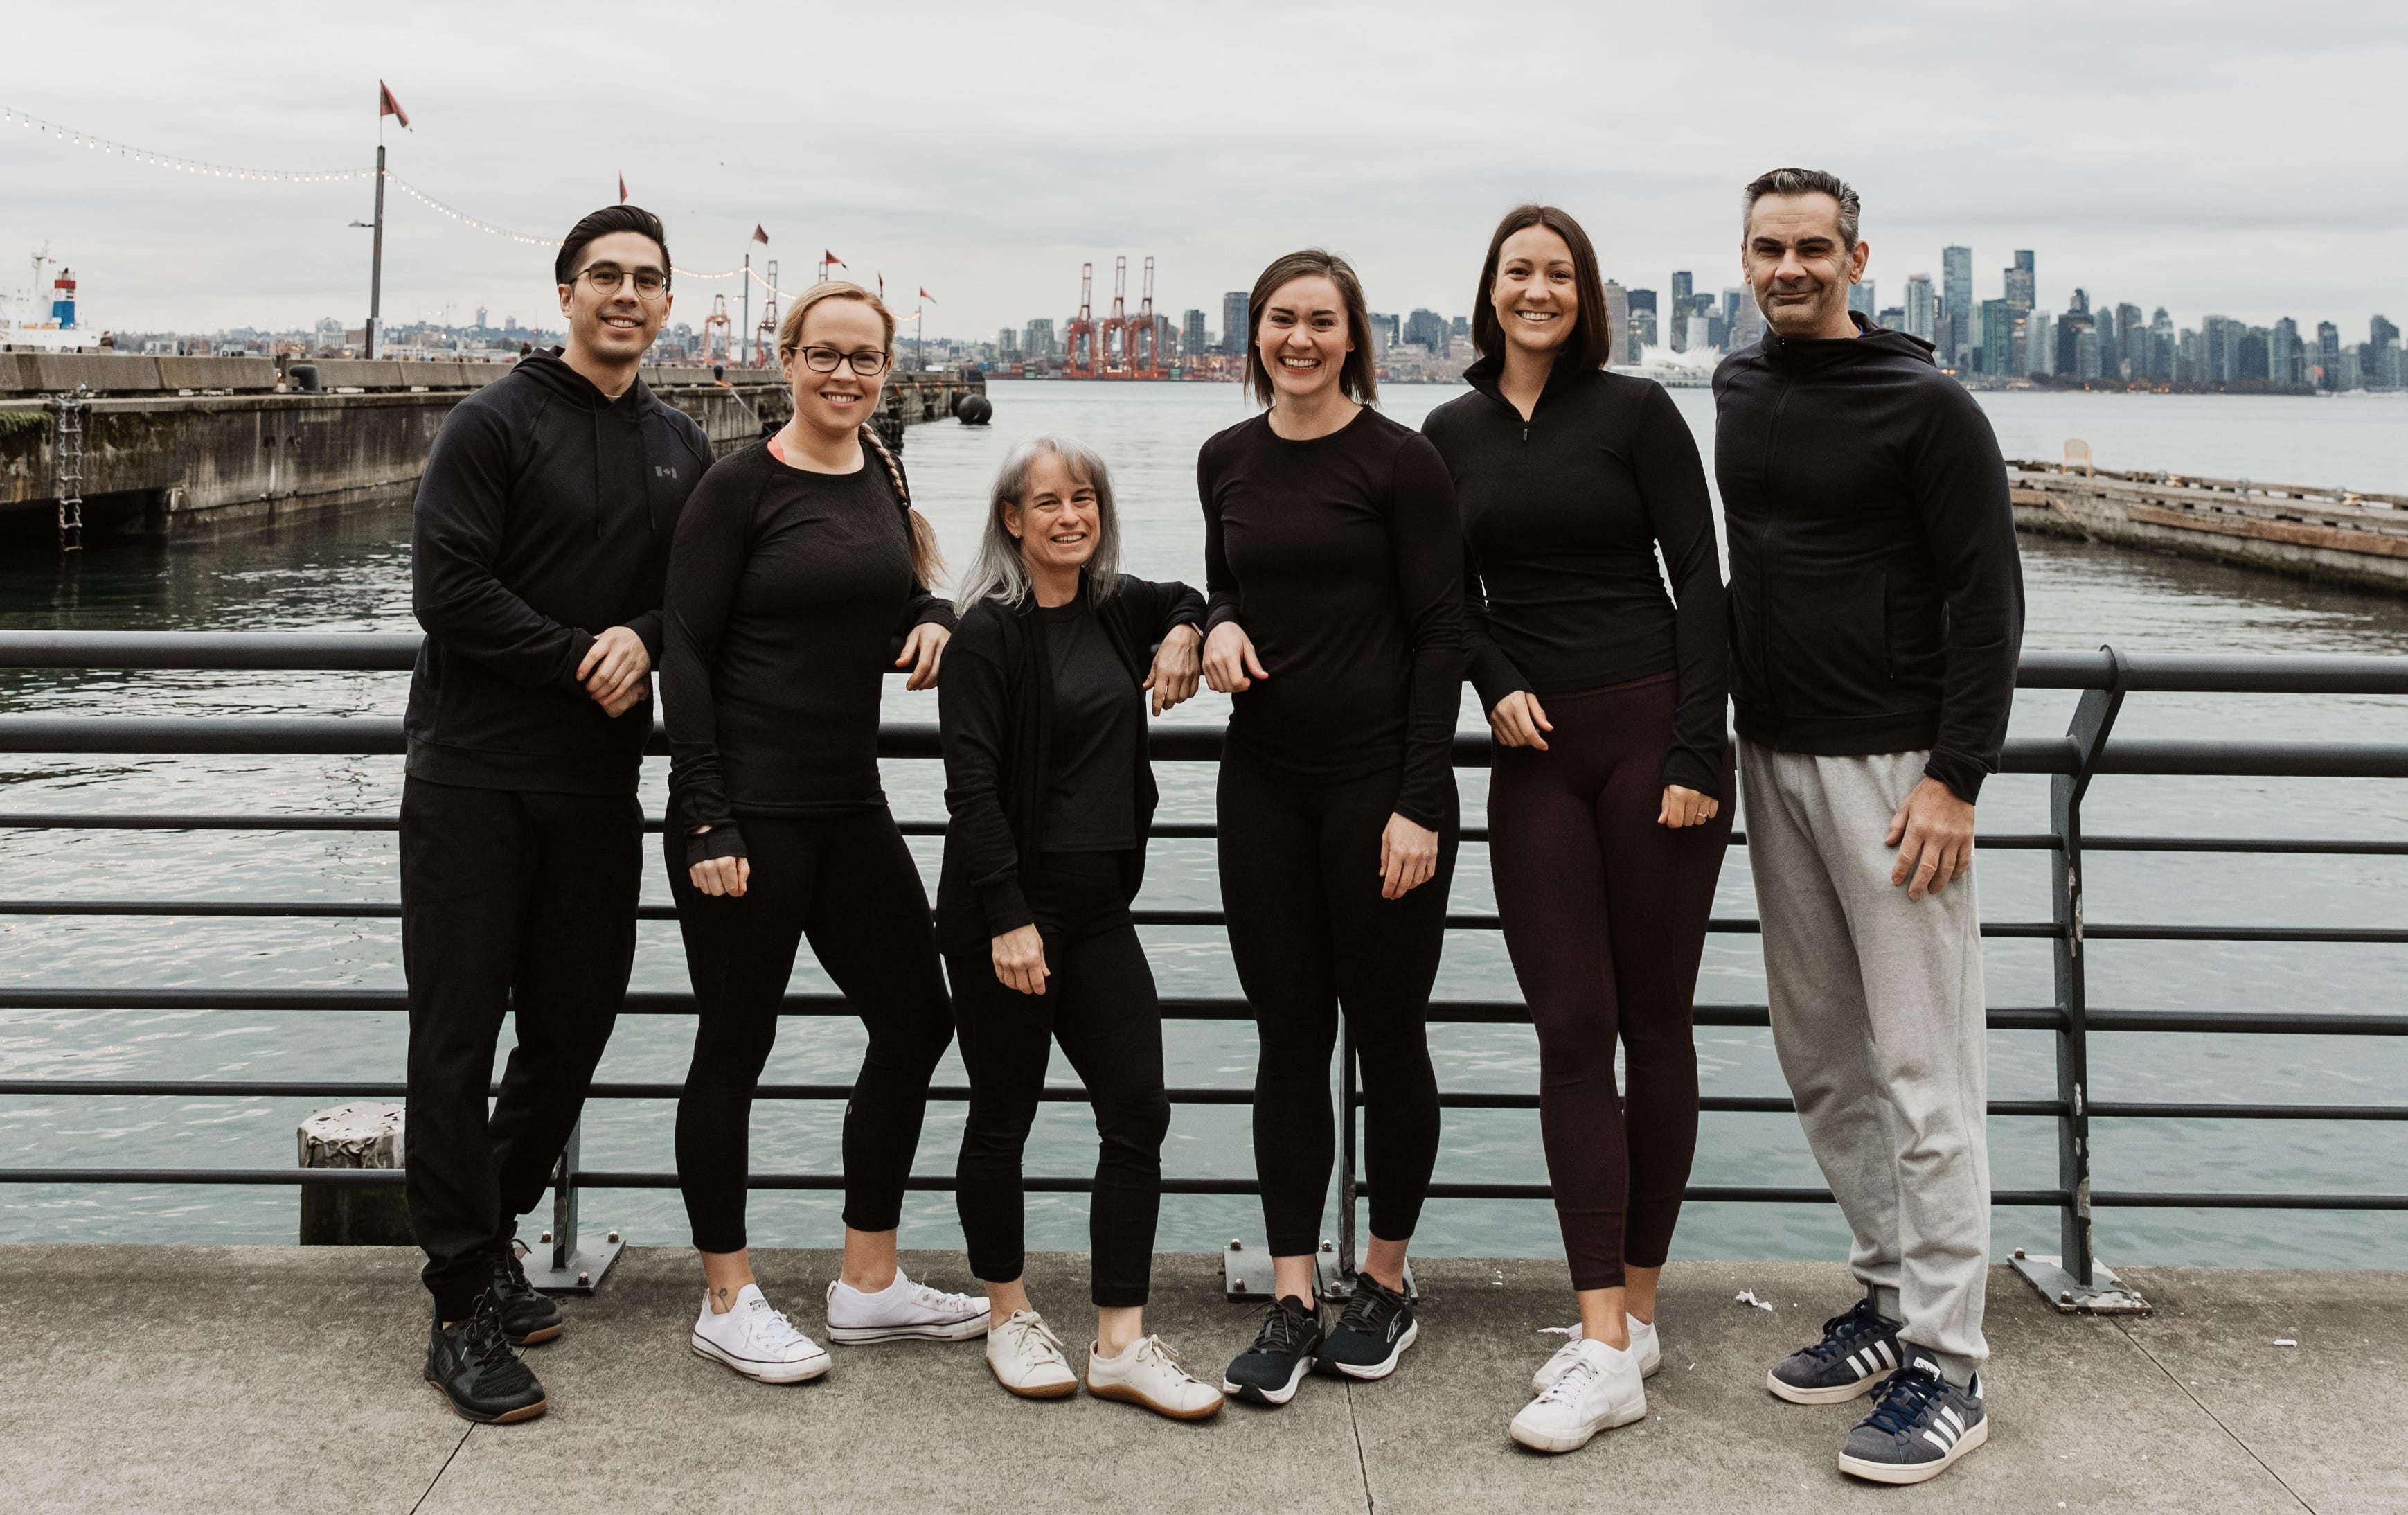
[1591,343]
[1359,376]
[1805,182]
[601,223]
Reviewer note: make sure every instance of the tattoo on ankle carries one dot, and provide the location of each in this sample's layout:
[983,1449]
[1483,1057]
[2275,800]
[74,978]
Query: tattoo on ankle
[723,1301]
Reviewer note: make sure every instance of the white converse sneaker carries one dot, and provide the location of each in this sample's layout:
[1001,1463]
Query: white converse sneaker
[902,1311]
[1599,1390]
[1643,1346]
[757,1341]
[1026,1357]
[1146,1373]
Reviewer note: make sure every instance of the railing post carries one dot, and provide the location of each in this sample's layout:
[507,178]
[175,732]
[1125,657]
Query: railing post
[563,1265]
[564,1203]
[2077,1280]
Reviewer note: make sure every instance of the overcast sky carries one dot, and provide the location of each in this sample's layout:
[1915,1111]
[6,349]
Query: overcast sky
[2242,159]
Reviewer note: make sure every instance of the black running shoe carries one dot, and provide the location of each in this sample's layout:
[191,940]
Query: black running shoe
[1922,1424]
[478,1372]
[1269,1371]
[1857,1350]
[1373,1333]
[527,1315]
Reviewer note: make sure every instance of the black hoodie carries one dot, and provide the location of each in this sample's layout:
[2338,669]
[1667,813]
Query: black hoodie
[1877,600]
[544,516]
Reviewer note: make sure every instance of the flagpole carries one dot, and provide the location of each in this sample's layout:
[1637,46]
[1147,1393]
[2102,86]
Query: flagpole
[747,340]
[376,257]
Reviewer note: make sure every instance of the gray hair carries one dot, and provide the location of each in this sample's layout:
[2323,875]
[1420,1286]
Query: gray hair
[999,572]
[1806,181]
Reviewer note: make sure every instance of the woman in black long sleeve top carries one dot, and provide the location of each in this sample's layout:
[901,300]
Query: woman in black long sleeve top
[1607,815]
[797,570]
[1332,557]
[1051,793]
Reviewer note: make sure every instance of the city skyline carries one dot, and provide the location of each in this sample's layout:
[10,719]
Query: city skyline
[963,170]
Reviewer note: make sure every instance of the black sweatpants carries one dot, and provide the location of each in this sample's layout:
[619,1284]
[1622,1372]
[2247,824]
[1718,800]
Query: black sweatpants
[1100,1003]
[848,882]
[511,902]
[1300,886]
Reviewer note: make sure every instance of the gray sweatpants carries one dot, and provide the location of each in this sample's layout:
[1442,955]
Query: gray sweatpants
[1878,1019]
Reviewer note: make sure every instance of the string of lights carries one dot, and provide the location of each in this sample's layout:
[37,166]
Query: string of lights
[10,116]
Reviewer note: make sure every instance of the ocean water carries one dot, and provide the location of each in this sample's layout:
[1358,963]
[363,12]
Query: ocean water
[352,572]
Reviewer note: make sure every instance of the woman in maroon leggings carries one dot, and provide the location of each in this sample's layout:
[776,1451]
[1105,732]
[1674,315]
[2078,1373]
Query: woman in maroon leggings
[1607,802]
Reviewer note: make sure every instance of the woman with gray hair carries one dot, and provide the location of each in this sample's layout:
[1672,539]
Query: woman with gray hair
[1046,777]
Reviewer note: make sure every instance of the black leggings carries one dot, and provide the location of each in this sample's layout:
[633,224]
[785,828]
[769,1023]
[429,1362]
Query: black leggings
[1605,915]
[848,882]
[1300,884]
[1100,1003]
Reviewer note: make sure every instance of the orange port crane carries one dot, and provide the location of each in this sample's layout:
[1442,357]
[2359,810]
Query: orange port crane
[718,333]
[1078,342]
[1113,345]
[1141,345]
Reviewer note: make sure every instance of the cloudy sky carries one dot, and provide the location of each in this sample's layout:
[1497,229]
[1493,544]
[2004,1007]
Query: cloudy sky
[2243,159]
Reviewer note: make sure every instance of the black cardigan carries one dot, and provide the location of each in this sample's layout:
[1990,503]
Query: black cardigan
[995,704]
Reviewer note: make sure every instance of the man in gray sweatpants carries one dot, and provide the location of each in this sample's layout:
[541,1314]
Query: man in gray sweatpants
[1877,613]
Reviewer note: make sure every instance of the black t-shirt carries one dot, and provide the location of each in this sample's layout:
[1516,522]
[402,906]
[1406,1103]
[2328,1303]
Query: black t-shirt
[1563,516]
[788,594]
[1342,559]
[1098,723]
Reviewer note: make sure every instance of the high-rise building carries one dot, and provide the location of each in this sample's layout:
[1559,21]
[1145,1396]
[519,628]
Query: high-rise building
[1460,327]
[1892,318]
[1677,327]
[1037,341]
[1192,337]
[1617,324]
[1920,315]
[2085,354]
[2040,344]
[2283,361]
[1428,329]
[1006,344]
[1957,303]
[1861,297]
[1999,320]
[1642,321]
[1700,334]
[1233,322]
[2219,349]
[2071,326]
[2327,355]
[1747,327]
[1384,329]
[2021,284]
[2253,354]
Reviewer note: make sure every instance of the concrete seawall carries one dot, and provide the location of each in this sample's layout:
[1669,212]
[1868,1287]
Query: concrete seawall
[172,443]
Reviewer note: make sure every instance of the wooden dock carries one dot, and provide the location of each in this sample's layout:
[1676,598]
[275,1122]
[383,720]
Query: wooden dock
[2351,535]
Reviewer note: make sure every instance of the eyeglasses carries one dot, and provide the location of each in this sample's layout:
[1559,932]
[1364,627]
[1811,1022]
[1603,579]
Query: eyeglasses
[650,284]
[867,364]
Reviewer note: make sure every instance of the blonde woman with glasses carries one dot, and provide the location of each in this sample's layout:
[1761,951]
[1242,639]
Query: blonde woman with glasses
[800,574]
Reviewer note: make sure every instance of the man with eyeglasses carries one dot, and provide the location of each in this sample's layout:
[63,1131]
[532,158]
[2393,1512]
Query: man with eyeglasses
[539,550]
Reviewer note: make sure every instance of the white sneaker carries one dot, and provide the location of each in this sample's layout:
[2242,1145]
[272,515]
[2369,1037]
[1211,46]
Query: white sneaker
[1147,1373]
[902,1311]
[1599,1390]
[1643,1347]
[757,1341]
[1026,1357]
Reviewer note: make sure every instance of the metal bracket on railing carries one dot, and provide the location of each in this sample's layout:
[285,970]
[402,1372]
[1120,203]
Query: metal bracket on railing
[558,1264]
[1246,1276]
[2104,1294]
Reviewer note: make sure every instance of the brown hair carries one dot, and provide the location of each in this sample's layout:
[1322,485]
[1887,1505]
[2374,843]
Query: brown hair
[1359,376]
[927,563]
[1590,344]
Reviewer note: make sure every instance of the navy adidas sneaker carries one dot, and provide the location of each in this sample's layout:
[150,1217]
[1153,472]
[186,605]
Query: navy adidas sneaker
[1857,1350]
[1921,1425]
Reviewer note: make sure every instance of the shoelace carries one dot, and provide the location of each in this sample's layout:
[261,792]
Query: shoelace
[490,1354]
[1834,1341]
[1040,1329]
[937,1299]
[1157,1349]
[1363,1312]
[772,1323]
[1278,1332]
[1573,1383]
[1903,1400]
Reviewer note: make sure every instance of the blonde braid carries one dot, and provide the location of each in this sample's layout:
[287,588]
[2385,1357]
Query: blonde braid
[927,563]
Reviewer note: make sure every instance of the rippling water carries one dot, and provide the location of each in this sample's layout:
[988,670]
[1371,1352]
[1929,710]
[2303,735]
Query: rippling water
[352,572]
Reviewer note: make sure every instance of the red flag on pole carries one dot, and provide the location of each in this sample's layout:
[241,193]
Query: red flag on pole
[881,286]
[926,295]
[759,236]
[388,105]
[622,189]
[837,262]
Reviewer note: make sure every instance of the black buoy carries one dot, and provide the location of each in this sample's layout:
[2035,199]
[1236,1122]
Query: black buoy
[975,410]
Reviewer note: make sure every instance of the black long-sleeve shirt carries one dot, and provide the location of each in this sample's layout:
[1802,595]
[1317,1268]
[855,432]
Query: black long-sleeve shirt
[1342,558]
[1877,598]
[1562,517]
[544,516]
[789,593]
[1003,739]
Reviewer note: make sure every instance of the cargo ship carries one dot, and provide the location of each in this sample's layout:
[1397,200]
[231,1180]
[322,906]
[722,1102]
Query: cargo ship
[42,318]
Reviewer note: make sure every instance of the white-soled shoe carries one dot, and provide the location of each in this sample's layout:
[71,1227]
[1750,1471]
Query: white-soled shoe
[1026,1357]
[1598,1390]
[1643,1346]
[757,1341]
[902,1311]
[1146,1373]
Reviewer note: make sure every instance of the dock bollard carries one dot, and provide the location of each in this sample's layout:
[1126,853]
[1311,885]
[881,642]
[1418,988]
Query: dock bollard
[363,1135]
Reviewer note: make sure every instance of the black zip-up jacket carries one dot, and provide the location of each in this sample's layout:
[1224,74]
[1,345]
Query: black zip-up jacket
[996,705]
[1563,515]
[1877,600]
[544,516]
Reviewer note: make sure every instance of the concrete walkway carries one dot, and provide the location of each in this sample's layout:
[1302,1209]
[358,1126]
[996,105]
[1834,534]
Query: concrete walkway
[162,1378]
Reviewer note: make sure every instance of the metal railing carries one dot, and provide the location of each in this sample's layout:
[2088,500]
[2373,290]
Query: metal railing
[2072,761]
